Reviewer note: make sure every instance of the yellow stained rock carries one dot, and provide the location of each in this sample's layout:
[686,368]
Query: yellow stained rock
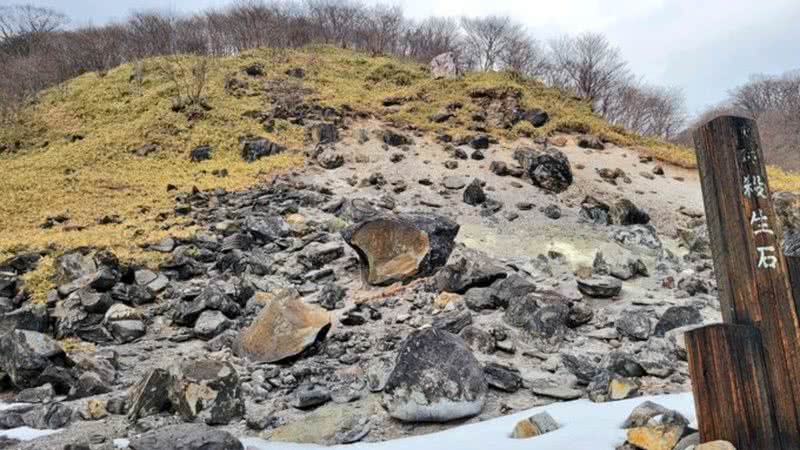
[662,437]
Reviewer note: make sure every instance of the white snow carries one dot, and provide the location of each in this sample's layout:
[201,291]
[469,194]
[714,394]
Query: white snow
[22,433]
[584,426]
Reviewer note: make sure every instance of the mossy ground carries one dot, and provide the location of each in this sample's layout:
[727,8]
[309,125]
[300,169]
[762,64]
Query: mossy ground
[115,113]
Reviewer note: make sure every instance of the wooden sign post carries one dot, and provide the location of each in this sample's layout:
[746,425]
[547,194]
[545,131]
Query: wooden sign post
[746,371]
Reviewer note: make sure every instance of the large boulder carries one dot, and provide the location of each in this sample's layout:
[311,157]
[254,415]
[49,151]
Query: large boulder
[186,437]
[444,66]
[254,149]
[401,248]
[619,262]
[283,329]
[25,355]
[435,379]
[206,390]
[550,171]
[470,268]
[150,395]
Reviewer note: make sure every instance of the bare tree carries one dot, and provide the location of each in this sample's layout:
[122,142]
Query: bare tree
[336,21]
[487,39]
[23,27]
[381,29]
[589,65]
[524,55]
[433,36]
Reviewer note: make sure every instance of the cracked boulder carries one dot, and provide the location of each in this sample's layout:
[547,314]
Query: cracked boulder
[435,379]
[401,248]
[25,355]
[185,437]
[206,390]
[283,329]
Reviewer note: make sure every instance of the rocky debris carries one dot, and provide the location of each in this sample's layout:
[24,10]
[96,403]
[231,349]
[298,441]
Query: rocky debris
[591,142]
[499,168]
[550,171]
[473,194]
[283,329]
[330,159]
[611,176]
[444,66]
[26,355]
[201,153]
[435,379]
[533,426]
[403,247]
[600,287]
[619,262]
[253,149]
[207,391]
[185,437]
[150,395]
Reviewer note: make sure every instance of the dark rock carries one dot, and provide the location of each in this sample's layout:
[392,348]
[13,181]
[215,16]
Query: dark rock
[536,117]
[502,378]
[330,159]
[89,384]
[480,142]
[332,296]
[521,311]
[584,369]
[452,321]
[323,133]
[595,211]
[267,228]
[254,149]
[125,331]
[296,72]
[150,395]
[395,139]
[42,394]
[624,212]
[579,314]
[24,356]
[600,287]
[470,269]
[551,171]
[477,339]
[499,168]
[479,299]
[202,153]
[473,194]
[634,325]
[310,396]
[477,155]
[401,248]
[436,379]
[74,265]
[552,212]
[49,417]
[30,317]
[254,70]
[186,437]
[206,391]
[624,365]
[549,321]
[460,153]
[676,317]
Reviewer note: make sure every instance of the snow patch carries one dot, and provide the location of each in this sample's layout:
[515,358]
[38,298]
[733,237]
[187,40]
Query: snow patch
[584,426]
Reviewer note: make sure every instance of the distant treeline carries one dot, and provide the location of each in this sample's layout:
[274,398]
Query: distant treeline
[37,50]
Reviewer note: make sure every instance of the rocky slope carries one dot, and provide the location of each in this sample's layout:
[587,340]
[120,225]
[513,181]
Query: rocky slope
[400,283]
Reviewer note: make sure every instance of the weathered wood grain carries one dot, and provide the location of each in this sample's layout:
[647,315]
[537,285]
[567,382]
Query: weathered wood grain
[735,403]
[750,267]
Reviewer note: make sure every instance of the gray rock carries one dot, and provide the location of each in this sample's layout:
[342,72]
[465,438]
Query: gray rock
[521,311]
[478,340]
[207,391]
[29,317]
[444,66]
[41,394]
[49,417]
[642,414]
[24,355]
[635,325]
[599,287]
[71,266]
[436,379]
[310,396]
[502,378]
[550,171]
[619,262]
[89,384]
[580,366]
[676,317]
[186,437]
[125,331]
[452,321]
[210,324]
[254,149]
[150,395]
[454,182]
[330,159]
[470,269]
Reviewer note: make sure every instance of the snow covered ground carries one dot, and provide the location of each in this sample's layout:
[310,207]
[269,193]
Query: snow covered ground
[23,433]
[584,426]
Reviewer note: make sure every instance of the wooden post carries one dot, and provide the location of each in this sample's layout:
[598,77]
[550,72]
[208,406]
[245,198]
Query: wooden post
[754,290]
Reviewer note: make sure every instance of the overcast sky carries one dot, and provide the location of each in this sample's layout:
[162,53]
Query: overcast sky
[704,47]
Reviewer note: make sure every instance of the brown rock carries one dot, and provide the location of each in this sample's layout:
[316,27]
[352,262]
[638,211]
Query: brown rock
[559,141]
[534,426]
[284,328]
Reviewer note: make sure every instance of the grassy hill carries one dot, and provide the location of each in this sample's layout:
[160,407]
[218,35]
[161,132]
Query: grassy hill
[75,148]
